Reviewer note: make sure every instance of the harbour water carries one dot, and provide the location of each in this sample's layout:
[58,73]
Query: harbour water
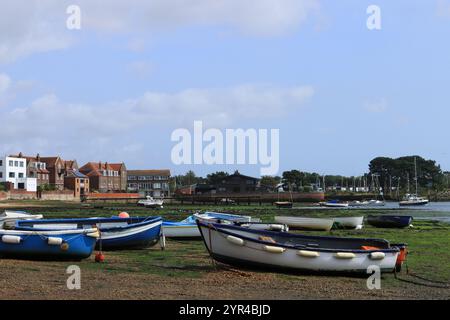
[439,211]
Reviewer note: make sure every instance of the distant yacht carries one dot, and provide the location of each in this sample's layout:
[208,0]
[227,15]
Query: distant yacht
[414,199]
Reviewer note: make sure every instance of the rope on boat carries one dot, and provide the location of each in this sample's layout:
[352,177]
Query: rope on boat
[433,283]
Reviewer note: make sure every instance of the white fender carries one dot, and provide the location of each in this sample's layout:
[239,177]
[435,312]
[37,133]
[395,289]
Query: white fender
[273,249]
[11,239]
[308,254]
[345,255]
[54,241]
[235,240]
[377,255]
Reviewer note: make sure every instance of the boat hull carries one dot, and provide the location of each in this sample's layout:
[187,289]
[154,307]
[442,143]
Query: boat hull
[253,253]
[389,221]
[115,233]
[349,222]
[181,231]
[78,244]
[306,223]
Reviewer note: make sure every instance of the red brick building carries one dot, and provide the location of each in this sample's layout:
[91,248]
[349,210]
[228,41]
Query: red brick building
[106,177]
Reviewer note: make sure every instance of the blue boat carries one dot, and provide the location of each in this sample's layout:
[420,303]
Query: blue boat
[389,221]
[115,233]
[48,245]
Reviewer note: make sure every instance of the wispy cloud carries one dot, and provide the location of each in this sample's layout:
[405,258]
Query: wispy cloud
[30,26]
[51,125]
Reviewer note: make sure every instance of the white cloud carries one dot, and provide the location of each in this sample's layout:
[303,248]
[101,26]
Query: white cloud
[30,26]
[443,8]
[49,125]
[376,106]
[5,82]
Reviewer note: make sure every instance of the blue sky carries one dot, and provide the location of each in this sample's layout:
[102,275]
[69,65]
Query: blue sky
[116,89]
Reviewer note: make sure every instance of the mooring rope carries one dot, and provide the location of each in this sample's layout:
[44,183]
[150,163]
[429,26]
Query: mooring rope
[433,283]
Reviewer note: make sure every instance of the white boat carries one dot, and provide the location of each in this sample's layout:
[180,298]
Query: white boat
[349,222]
[370,203]
[334,204]
[306,223]
[218,217]
[293,252]
[8,217]
[150,202]
[183,229]
[413,200]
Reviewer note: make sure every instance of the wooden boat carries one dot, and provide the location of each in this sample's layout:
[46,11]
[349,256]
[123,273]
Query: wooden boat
[44,245]
[283,204]
[306,223]
[389,221]
[183,229]
[348,222]
[115,233]
[239,246]
[10,217]
[334,204]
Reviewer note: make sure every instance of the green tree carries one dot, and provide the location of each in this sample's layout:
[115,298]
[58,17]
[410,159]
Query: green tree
[216,177]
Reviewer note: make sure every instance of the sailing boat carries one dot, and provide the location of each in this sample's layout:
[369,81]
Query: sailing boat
[413,199]
[284,204]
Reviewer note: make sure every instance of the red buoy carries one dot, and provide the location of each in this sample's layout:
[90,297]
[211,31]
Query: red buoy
[99,257]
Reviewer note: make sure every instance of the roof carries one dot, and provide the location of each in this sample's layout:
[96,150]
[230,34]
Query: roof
[162,172]
[75,174]
[237,174]
[92,169]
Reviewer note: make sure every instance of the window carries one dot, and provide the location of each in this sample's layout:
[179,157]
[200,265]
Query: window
[11,163]
[157,185]
[1,163]
[21,164]
[20,175]
[12,175]
[16,163]
[1,174]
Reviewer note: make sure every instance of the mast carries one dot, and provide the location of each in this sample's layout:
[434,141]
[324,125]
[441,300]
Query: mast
[415,174]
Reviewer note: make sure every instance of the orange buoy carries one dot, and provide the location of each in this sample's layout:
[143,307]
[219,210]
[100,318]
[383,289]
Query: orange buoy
[99,257]
[124,215]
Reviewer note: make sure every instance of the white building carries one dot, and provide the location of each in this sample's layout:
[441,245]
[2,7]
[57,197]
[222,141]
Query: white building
[14,170]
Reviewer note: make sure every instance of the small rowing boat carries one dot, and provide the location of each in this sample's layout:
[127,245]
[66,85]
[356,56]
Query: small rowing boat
[115,232]
[283,204]
[333,204]
[10,217]
[239,246]
[306,223]
[48,245]
[389,221]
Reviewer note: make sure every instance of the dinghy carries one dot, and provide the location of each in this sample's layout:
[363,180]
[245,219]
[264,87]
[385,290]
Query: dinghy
[239,246]
[115,233]
[306,223]
[348,222]
[334,204]
[150,202]
[389,221]
[48,245]
[9,217]
[283,204]
[183,229]
[218,216]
